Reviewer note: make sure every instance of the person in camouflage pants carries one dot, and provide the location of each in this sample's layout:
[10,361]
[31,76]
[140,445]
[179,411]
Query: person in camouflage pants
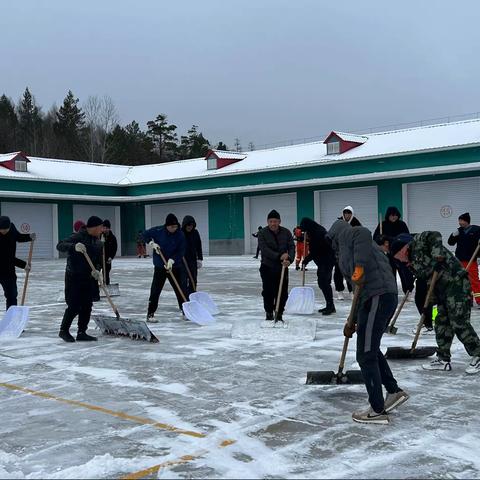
[424,253]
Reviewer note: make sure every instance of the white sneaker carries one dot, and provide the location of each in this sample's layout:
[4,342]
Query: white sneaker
[370,416]
[340,296]
[394,400]
[474,366]
[438,364]
[424,331]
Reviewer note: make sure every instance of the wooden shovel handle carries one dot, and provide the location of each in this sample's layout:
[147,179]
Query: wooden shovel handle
[350,321]
[27,273]
[303,257]
[399,309]
[425,305]
[104,274]
[474,256]
[189,274]
[380,223]
[172,276]
[102,286]
[279,295]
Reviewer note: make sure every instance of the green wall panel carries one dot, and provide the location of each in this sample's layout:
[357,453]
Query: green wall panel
[225,217]
[132,220]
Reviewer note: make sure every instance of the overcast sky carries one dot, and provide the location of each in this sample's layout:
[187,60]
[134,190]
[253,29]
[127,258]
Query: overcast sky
[260,70]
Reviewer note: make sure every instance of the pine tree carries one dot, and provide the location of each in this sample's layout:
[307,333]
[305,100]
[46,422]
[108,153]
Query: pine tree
[163,137]
[222,146]
[70,129]
[8,125]
[30,124]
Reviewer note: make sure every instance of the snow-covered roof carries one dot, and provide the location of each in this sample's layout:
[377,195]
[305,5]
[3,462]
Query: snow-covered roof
[384,144]
[226,155]
[5,157]
[349,137]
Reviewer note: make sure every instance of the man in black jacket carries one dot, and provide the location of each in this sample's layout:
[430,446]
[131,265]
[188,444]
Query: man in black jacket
[391,227]
[321,252]
[110,246]
[193,251]
[9,236]
[81,282]
[278,250]
[466,238]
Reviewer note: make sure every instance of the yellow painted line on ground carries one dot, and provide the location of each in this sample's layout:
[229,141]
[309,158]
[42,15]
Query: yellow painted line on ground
[113,413]
[171,463]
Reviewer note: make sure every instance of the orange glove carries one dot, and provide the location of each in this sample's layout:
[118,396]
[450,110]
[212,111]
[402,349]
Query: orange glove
[357,276]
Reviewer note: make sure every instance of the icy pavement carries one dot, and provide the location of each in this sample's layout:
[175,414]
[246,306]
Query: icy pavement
[200,404]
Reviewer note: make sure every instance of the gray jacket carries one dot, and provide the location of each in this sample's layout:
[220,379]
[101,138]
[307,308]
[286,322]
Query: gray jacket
[273,246]
[355,246]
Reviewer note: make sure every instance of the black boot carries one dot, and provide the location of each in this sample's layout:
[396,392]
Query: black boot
[84,337]
[65,336]
[328,310]
[269,316]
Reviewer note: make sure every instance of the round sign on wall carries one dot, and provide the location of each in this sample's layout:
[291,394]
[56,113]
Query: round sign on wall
[446,211]
[25,227]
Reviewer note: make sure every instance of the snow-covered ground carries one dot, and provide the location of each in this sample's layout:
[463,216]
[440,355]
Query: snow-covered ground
[201,404]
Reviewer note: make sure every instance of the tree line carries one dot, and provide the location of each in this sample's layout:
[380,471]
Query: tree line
[91,132]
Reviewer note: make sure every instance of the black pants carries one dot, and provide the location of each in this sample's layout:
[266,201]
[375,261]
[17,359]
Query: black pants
[270,284]
[421,289]
[9,285]
[160,275]
[372,320]
[324,280]
[338,280]
[191,287]
[80,292]
[257,252]
[108,267]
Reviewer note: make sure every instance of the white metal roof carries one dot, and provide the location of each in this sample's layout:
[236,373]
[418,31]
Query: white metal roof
[385,144]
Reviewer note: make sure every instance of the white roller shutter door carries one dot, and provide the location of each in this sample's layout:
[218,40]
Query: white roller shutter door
[33,217]
[110,212]
[258,209]
[198,210]
[437,205]
[330,203]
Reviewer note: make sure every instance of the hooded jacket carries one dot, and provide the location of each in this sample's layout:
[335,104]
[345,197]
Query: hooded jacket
[193,250]
[354,222]
[320,250]
[274,245]
[466,241]
[390,230]
[354,246]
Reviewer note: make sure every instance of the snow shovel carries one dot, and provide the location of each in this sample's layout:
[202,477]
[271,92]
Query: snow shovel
[301,300]
[113,288]
[351,377]
[400,353]
[193,310]
[135,329]
[201,297]
[16,317]
[392,329]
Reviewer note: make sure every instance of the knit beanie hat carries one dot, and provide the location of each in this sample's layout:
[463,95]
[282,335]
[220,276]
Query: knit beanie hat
[465,216]
[399,242]
[78,225]
[106,223]
[94,221]
[171,220]
[273,214]
[4,223]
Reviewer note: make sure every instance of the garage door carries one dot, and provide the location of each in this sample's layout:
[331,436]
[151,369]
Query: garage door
[330,203]
[34,217]
[198,210]
[258,209]
[110,212]
[437,205]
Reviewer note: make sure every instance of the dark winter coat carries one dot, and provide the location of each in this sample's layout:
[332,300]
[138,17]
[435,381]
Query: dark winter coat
[320,250]
[77,264]
[172,245]
[355,247]
[466,241]
[390,229]
[193,251]
[111,246]
[274,245]
[8,249]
